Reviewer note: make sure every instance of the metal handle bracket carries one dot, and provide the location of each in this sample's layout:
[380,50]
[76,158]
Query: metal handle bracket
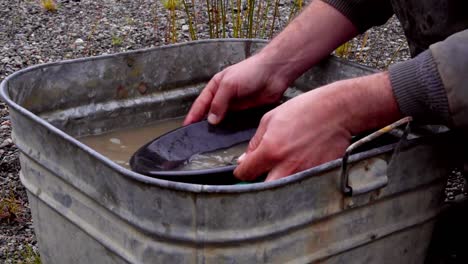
[345,187]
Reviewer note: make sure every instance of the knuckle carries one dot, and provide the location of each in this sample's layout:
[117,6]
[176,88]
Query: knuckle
[271,149]
[216,106]
[227,84]
[274,149]
[253,144]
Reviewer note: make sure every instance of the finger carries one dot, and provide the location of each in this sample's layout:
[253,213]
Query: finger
[203,102]
[257,138]
[253,165]
[220,103]
[280,171]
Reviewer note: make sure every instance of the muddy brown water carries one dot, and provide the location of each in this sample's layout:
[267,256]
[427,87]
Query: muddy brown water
[120,145]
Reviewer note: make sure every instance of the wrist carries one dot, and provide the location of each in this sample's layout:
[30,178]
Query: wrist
[370,102]
[277,68]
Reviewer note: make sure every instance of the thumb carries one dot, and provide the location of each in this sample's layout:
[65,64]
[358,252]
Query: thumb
[253,165]
[256,139]
[255,161]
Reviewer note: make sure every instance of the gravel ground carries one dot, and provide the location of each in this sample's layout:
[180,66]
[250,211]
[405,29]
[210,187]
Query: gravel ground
[30,35]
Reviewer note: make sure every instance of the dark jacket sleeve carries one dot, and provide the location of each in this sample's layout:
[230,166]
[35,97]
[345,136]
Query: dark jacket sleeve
[364,14]
[433,87]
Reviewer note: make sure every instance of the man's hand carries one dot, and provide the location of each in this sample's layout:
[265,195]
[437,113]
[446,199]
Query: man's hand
[317,126]
[262,79]
[243,85]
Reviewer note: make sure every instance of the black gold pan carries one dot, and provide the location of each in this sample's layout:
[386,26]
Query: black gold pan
[159,157]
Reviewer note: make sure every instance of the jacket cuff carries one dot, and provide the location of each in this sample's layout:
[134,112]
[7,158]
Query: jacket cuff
[419,90]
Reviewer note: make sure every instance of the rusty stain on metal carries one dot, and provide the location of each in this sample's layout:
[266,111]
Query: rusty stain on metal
[142,88]
[130,61]
[349,202]
[375,195]
[121,92]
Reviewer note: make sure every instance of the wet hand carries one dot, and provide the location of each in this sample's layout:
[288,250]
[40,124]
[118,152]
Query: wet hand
[246,84]
[301,133]
[316,127]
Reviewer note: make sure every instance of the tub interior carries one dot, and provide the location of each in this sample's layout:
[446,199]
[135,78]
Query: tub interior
[102,94]
[98,96]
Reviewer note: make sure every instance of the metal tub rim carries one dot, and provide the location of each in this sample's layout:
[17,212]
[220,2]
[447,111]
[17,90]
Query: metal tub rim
[187,187]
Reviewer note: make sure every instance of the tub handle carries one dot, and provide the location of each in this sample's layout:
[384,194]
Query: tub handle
[376,178]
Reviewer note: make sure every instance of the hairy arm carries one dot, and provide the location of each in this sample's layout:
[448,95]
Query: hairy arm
[263,78]
[314,34]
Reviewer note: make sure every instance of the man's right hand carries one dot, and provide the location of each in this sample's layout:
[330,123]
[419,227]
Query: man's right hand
[246,84]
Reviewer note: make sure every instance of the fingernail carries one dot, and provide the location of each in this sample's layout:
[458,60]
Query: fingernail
[212,119]
[241,158]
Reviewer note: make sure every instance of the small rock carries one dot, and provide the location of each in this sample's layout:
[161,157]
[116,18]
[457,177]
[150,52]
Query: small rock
[115,141]
[185,28]
[6,60]
[6,142]
[6,122]
[79,42]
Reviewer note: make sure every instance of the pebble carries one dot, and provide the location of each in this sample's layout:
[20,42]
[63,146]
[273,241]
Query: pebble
[115,141]
[79,42]
[6,142]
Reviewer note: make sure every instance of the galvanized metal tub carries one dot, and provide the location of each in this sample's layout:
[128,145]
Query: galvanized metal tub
[87,209]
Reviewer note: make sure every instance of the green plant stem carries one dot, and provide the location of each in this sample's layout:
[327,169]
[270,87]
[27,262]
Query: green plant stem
[245,22]
[258,18]
[251,17]
[223,17]
[265,16]
[193,36]
[275,14]
[239,19]
[233,17]
[214,8]
[210,19]
[173,19]
[195,13]
[363,45]
[292,12]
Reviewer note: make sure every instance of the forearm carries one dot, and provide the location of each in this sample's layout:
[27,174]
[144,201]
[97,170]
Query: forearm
[364,103]
[313,35]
